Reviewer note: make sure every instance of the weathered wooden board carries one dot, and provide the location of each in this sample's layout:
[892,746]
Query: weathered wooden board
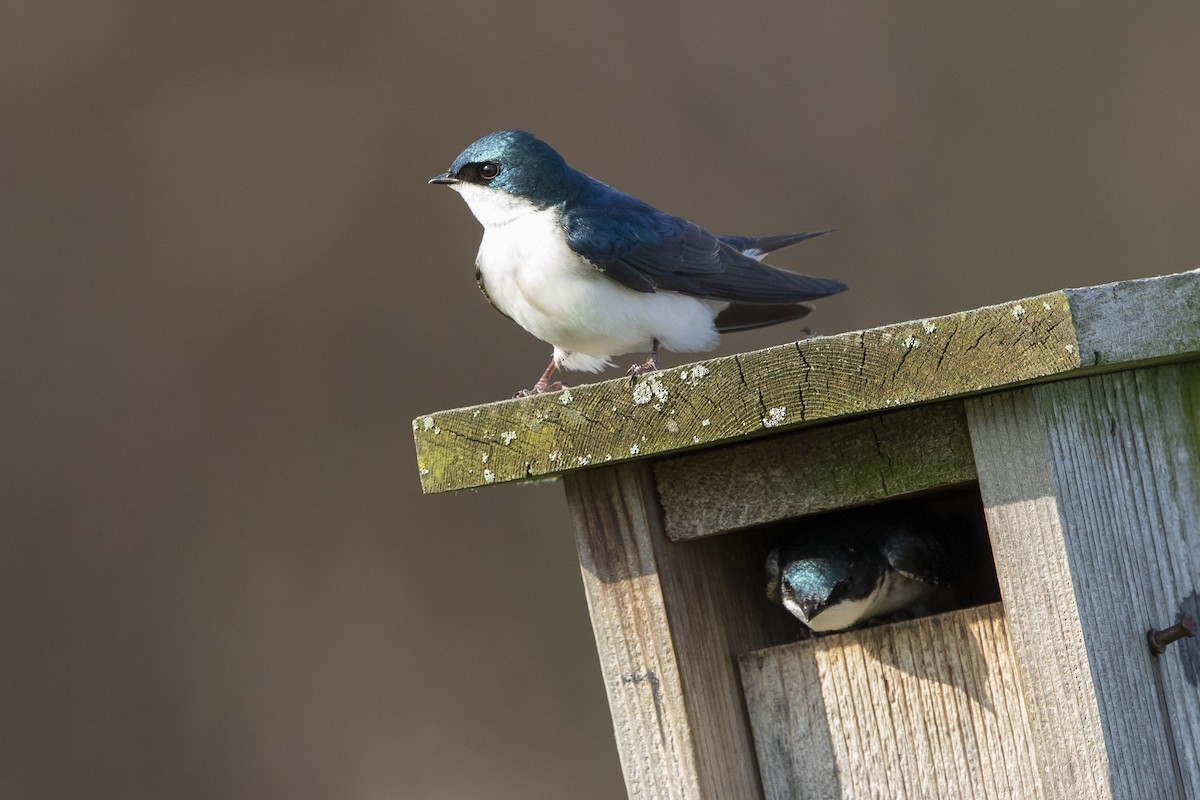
[811,381]
[669,620]
[1136,321]
[926,708]
[1091,489]
[641,670]
[882,456]
[1039,593]
[1125,454]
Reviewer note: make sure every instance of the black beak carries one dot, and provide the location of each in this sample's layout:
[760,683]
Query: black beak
[445,177]
[811,608]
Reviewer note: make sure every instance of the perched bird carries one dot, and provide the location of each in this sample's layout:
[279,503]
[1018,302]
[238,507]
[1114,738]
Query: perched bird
[833,580]
[597,273]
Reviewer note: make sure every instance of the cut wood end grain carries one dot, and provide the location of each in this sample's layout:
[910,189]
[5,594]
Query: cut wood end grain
[802,383]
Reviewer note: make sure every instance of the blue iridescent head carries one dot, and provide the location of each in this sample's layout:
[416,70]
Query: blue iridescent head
[515,162]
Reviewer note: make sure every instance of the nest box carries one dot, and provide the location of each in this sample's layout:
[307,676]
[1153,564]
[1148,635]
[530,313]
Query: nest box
[1063,429]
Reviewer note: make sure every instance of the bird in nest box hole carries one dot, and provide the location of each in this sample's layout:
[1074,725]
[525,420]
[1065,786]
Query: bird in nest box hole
[859,567]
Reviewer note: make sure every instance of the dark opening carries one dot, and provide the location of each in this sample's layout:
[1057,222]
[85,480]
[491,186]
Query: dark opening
[953,516]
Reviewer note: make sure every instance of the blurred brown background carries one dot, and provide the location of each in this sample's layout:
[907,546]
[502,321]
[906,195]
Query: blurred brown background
[227,290]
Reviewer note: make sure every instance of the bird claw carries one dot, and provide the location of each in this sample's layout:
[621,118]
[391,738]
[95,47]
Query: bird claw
[645,368]
[541,388]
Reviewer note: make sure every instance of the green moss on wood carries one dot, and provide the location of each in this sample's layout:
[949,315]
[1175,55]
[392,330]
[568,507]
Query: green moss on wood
[865,460]
[817,380]
[734,397]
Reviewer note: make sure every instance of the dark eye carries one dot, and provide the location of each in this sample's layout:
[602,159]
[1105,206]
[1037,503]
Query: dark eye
[489,170]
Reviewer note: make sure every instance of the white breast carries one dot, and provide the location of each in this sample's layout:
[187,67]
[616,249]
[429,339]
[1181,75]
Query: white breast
[532,275]
[837,617]
[895,592]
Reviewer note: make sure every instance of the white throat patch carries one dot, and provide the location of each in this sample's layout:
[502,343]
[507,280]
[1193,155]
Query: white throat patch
[493,207]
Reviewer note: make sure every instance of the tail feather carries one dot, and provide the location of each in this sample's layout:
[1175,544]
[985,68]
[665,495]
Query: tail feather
[759,246]
[744,316]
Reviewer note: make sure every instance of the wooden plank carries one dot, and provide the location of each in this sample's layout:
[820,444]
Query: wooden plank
[925,708]
[1137,321]
[1013,461]
[792,736]
[818,469]
[1125,453]
[1071,557]
[751,393]
[818,379]
[669,619]
[613,527]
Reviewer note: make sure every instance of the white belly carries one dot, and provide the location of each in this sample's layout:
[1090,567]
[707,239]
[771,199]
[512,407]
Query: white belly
[530,274]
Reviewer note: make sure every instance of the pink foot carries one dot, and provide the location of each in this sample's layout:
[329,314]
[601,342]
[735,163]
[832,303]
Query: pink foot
[541,388]
[544,385]
[646,367]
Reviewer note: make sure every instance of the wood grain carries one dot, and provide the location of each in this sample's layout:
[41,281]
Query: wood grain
[641,671]
[925,708]
[1013,461]
[669,620]
[1079,480]
[801,383]
[1137,321]
[747,394]
[817,469]
[1125,452]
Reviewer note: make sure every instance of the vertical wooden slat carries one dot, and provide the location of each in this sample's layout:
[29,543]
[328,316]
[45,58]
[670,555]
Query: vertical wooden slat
[1012,459]
[1125,450]
[1072,523]
[916,709]
[669,619]
[613,526]
[791,732]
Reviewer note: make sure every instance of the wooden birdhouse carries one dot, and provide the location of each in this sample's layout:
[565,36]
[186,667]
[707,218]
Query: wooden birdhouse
[1061,431]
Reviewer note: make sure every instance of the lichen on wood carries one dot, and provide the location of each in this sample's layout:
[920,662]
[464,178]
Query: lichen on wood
[792,385]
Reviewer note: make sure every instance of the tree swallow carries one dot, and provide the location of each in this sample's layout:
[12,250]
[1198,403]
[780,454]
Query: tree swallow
[834,579]
[597,273]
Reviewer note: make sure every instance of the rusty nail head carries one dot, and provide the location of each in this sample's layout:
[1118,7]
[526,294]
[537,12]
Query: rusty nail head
[1159,640]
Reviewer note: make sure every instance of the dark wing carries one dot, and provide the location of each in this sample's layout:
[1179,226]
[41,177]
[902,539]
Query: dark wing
[917,555]
[647,250]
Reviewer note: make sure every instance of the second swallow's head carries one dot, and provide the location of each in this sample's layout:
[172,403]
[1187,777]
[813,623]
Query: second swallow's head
[808,586]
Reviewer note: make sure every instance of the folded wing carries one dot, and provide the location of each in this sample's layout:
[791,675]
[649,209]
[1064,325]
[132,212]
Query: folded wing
[647,250]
